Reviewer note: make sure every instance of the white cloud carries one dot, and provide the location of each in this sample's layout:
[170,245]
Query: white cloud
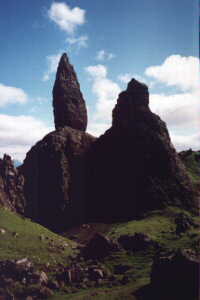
[97,72]
[181,111]
[19,133]
[52,62]
[106,92]
[80,41]
[65,17]
[184,142]
[11,95]
[103,55]
[126,78]
[177,110]
[177,70]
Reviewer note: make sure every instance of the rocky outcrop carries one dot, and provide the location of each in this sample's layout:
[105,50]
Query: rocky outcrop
[176,276]
[137,242]
[133,167]
[68,103]
[98,247]
[11,186]
[54,178]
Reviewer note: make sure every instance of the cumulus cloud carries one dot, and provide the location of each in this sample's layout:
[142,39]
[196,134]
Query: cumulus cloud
[103,55]
[186,141]
[97,72]
[52,63]
[11,95]
[65,17]
[181,111]
[177,110]
[125,78]
[80,42]
[106,92]
[177,70]
[19,133]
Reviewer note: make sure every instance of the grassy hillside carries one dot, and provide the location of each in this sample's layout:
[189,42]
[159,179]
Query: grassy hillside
[23,238]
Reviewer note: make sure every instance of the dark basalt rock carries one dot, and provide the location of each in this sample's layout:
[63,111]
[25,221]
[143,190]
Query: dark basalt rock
[137,242]
[98,247]
[11,186]
[54,178]
[133,167]
[68,103]
[176,276]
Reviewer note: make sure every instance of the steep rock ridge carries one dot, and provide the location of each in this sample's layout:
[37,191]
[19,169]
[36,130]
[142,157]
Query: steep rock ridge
[54,178]
[133,167]
[11,186]
[68,103]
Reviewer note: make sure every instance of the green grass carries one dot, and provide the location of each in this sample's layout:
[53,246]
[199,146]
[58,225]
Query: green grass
[24,238]
[193,167]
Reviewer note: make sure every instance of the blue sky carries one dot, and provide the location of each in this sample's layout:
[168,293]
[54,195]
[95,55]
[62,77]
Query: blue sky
[108,42]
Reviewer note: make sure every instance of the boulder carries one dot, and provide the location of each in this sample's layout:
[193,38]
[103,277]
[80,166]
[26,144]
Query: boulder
[98,247]
[68,103]
[176,276]
[137,242]
[133,167]
[121,269]
[95,274]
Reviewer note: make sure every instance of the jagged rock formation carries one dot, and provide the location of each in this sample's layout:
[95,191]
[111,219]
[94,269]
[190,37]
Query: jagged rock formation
[54,178]
[133,167]
[11,186]
[68,103]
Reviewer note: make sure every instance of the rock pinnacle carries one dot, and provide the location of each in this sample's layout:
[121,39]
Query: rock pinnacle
[68,103]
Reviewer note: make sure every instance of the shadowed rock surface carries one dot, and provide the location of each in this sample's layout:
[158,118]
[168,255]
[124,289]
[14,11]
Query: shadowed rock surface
[54,178]
[176,276]
[133,167]
[11,186]
[68,103]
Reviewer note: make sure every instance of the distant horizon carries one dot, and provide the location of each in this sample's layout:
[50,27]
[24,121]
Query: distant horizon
[108,43]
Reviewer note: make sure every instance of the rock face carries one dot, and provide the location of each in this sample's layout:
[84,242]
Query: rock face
[54,178]
[68,103]
[133,167]
[11,186]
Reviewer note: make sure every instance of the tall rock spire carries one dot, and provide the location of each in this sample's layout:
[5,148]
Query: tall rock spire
[133,166]
[68,103]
